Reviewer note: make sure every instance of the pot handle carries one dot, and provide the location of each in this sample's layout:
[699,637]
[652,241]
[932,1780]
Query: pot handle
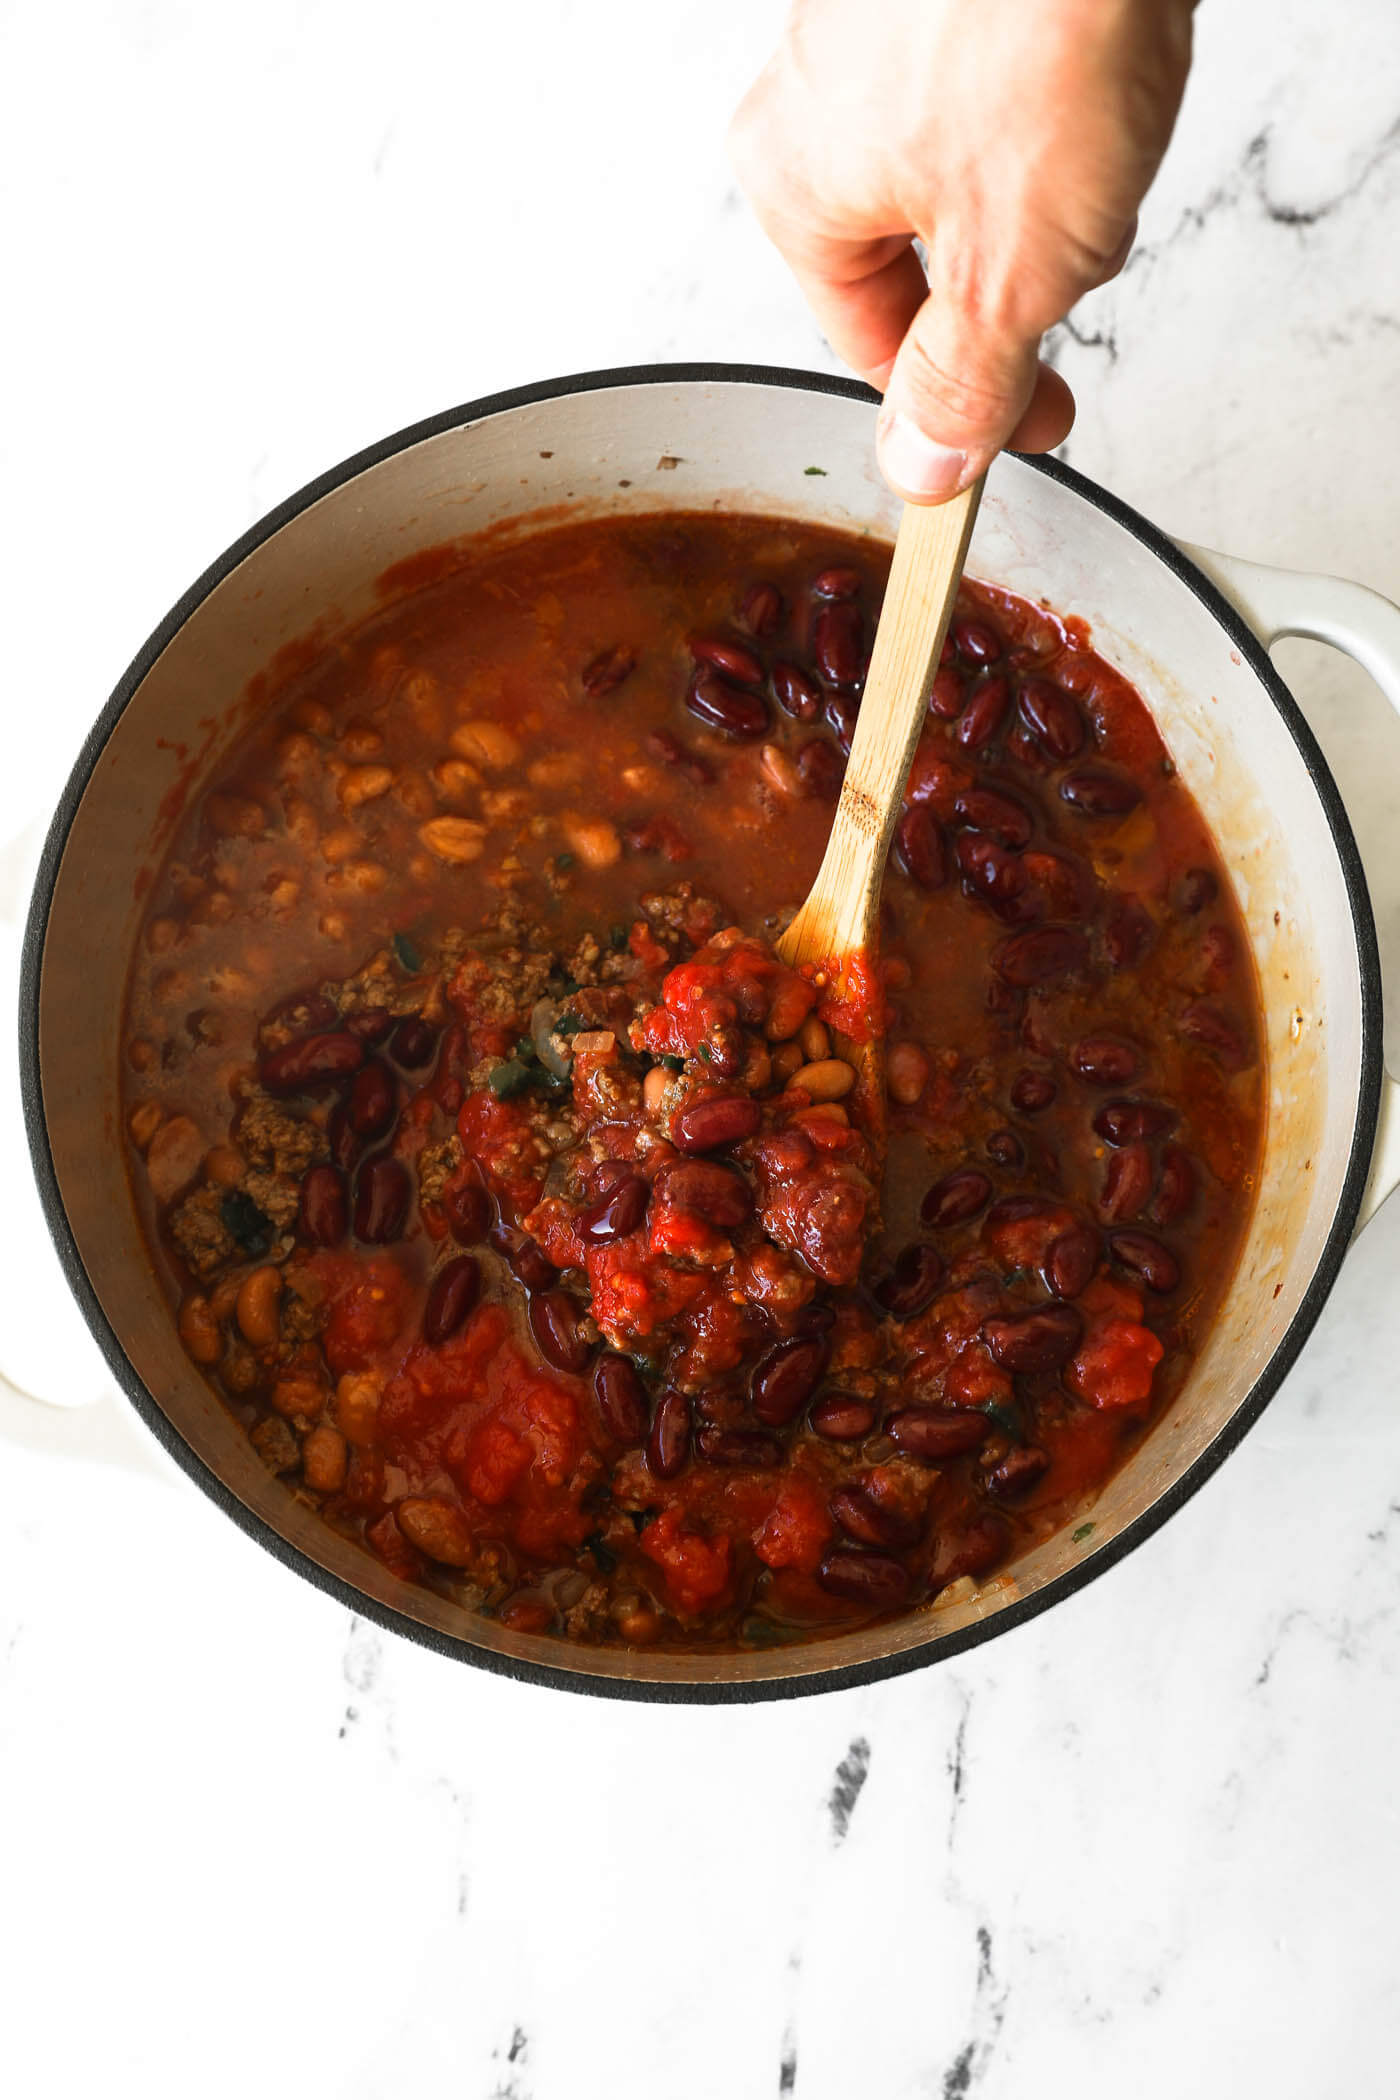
[1365,626]
[105,1430]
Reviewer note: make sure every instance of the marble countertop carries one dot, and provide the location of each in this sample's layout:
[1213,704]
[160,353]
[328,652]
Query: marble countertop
[1145,1844]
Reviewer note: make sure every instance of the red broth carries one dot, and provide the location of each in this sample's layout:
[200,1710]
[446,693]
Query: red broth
[522,1205]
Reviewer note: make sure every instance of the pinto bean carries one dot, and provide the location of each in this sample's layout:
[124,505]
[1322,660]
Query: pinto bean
[324,1459]
[437,1528]
[828,1079]
[454,840]
[906,1073]
[199,1330]
[259,1300]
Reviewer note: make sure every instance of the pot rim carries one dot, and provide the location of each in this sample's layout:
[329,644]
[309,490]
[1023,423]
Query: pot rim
[698,1691]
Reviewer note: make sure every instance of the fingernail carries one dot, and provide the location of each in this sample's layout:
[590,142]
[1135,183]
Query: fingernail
[916,464]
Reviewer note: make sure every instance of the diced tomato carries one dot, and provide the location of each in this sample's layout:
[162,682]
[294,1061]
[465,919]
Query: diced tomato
[973,1380]
[796,1529]
[697,1569]
[552,1223]
[435,1379]
[1023,1243]
[635,1297]
[498,1136]
[1114,1366]
[853,1002]
[368,1306]
[496,1458]
[645,946]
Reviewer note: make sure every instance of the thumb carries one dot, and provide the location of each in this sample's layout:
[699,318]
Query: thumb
[957,391]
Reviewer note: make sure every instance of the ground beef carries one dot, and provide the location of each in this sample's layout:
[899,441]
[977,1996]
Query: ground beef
[278,1196]
[269,1137]
[588,1619]
[199,1232]
[436,1166]
[275,1444]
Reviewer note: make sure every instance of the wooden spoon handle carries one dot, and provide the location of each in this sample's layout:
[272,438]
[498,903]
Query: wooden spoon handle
[841,912]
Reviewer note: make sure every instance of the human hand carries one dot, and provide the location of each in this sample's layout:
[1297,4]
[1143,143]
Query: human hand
[1015,139]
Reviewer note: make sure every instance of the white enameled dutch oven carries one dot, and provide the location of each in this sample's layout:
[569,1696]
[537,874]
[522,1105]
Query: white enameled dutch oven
[1189,628]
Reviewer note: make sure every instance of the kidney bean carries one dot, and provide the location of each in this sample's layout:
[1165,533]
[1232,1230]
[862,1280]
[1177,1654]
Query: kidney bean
[815,1318]
[1018,1472]
[608,669]
[861,1517]
[975,640]
[1103,1060]
[923,851]
[796,694]
[1098,794]
[709,1190]
[371,1026]
[554,1322]
[372,1100]
[731,659]
[414,1042]
[843,1418]
[726,706]
[1014,1210]
[340,1136]
[837,583]
[1041,956]
[311,1063]
[985,809]
[720,1119]
[1022,746]
[383,1193]
[525,1257]
[1176,1186]
[308,1012]
[672,752]
[468,1207]
[1128,1122]
[1127,1184]
[982,1545]
[1037,1341]
[948,694]
[1031,1091]
[1205,1024]
[1005,1149]
[911,1285]
[738,1447]
[616,1213]
[984,717]
[843,712]
[990,872]
[1070,1262]
[1128,933]
[1196,889]
[838,644]
[785,1380]
[1148,1258]
[762,609]
[820,767]
[322,1214]
[451,1296]
[938,1432]
[1052,716]
[875,1580]
[956,1198]
[621,1398]
[668,1440]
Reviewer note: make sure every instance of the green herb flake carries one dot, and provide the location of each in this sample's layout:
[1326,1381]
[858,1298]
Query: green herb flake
[563,862]
[704,1050]
[672,1064]
[618,936]
[244,1222]
[1004,1419]
[567,1025]
[603,1555]
[510,1078]
[409,958]
[1081,1533]
[815,470]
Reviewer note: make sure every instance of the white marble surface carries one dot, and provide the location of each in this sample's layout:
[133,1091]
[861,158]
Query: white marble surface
[1147,1845]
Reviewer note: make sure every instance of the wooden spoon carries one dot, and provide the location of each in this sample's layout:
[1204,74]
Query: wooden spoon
[840,920]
